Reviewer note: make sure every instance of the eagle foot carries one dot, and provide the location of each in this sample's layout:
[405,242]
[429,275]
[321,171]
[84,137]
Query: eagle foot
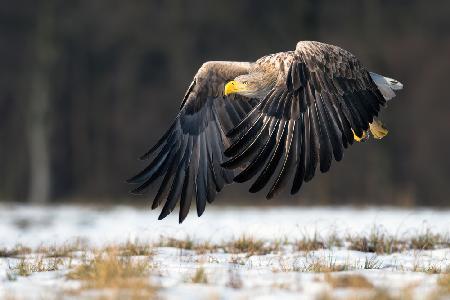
[363,138]
[378,130]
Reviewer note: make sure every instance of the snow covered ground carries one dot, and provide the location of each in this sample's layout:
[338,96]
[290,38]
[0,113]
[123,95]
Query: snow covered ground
[287,272]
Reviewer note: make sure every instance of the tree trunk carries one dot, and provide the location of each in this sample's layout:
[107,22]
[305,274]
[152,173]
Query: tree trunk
[39,105]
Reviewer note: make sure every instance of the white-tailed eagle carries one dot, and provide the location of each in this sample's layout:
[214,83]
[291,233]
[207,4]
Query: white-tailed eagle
[277,118]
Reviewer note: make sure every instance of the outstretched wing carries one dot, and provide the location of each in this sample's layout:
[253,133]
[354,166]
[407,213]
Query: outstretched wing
[189,154]
[322,94]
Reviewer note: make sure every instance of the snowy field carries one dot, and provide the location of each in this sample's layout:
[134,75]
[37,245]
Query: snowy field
[228,253]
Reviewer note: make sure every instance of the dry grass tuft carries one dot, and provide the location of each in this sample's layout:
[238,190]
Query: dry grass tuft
[429,241]
[246,244]
[238,260]
[444,283]
[316,242]
[17,251]
[323,265]
[200,276]
[312,265]
[188,244]
[429,269]
[132,248]
[65,250]
[382,243]
[333,240]
[25,267]
[251,246]
[112,271]
[310,244]
[377,242]
[348,281]
[371,263]
[205,247]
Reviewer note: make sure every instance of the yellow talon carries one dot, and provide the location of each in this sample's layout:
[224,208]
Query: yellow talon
[359,139]
[378,130]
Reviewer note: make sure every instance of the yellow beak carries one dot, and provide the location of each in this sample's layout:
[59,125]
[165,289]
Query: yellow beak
[233,87]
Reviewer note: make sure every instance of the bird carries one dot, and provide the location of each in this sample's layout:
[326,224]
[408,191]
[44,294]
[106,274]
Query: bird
[278,119]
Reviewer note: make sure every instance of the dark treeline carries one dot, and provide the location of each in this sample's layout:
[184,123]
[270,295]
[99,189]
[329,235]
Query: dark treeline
[88,86]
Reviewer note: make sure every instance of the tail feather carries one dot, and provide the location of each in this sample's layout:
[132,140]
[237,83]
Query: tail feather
[386,85]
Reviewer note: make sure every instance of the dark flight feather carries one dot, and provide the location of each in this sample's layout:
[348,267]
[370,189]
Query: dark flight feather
[288,158]
[271,165]
[258,162]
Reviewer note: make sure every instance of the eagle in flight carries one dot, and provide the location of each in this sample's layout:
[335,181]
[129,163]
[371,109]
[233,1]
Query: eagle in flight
[276,120]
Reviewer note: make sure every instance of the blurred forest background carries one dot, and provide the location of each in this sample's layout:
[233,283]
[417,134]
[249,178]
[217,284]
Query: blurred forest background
[87,86]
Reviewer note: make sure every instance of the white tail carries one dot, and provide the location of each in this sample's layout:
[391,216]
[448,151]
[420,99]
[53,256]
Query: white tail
[386,85]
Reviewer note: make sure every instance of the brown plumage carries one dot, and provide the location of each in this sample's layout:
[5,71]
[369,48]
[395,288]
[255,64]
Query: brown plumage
[279,118]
